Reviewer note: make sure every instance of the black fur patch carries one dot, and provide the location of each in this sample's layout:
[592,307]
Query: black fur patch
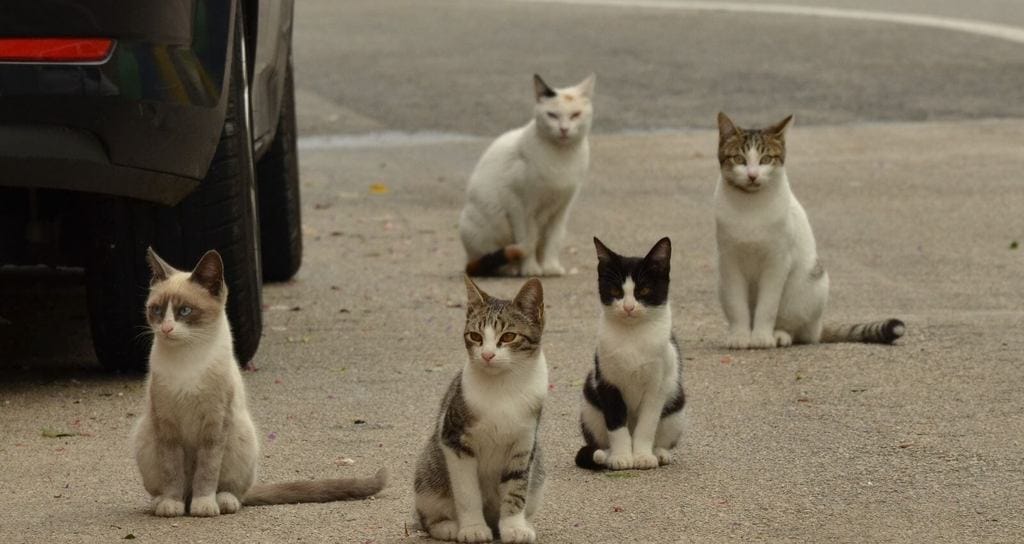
[612,406]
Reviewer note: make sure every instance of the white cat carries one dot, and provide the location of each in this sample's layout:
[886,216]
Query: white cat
[520,193]
[772,286]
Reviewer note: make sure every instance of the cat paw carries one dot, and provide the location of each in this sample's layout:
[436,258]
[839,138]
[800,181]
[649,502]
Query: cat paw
[518,533]
[783,339]
[476,533]
[204,507]
[622,461]
[167,507]
[444,530]
[601,457]
[553,269]
[228,503]
[531,269]
[664,456]
[738,340]
[762,340]
[644,461]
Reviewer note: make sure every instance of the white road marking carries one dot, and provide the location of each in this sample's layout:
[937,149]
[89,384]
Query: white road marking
[968,26]
[377,140]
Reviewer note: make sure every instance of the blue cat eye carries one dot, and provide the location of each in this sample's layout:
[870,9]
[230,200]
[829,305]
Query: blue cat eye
[184,311]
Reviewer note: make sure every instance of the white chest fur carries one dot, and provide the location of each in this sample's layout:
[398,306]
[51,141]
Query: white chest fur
[639,359]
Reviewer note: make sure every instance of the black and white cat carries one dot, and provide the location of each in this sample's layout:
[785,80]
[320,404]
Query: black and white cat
[480,473]
[520,193]
[631,415]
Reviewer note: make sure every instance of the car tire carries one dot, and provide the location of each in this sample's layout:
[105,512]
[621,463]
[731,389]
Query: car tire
[220,214]
[277,176]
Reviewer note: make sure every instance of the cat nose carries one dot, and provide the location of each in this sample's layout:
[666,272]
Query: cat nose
[565,131]
[487,356]
[167,328]
[752,176]
[629,307]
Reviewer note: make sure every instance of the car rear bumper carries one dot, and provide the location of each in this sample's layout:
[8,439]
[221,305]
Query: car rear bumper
[145,123]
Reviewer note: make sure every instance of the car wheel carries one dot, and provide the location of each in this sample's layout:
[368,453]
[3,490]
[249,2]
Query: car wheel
[277,176]
[220,214]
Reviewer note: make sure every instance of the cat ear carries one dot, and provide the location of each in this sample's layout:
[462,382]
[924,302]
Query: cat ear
[530,299]
[661,253]
[779,129]
[161,270]
[726,127]
[474,295]
[541,90]
[586,87]
[603,253]
[209,273]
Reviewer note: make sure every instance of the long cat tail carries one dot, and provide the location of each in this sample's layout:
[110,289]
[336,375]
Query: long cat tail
[340,489]
[489,264]
[885,331]
[585,458]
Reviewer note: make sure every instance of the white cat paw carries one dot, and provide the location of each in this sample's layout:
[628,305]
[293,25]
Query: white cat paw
[475,533]
[664,456]
[167,507]
[531,269]
[553,269]
[228,503]
[204,507]
[762,340]
[444,530]
[622,461]
[783,339]
[517,532]
[644,461]
[601,457]
[738,340]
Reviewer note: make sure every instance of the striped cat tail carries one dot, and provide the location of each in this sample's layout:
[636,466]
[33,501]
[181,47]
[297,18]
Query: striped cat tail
[885,331]
[490,264]
[585,458]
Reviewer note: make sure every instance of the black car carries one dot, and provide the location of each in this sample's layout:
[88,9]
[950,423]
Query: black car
[164,123]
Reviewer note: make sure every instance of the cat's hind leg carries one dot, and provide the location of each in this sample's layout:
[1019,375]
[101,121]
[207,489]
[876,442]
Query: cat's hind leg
[594,454]
[162,466]
[436,515]
[670,428]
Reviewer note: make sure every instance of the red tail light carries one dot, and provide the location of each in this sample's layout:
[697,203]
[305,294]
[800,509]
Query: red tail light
[55,49]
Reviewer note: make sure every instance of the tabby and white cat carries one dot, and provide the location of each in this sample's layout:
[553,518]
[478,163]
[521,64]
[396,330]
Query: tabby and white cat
[480,473]
[195,443]
[772,286]
[520,193]
[631,415]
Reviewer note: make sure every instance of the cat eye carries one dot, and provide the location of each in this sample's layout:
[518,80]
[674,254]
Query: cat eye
[156,310]
[508,337]
[644,291]
[616,292]
[552,115]
[766,159]
[739,159]
[475,337]
[184,311]
[575,115]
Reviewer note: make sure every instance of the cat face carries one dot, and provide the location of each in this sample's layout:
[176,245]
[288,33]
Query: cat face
[503,334]
[751,158]
[563,115]
[183,307]
[633,288]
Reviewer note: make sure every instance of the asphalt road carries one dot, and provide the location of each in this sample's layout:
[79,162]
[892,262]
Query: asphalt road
[908,165]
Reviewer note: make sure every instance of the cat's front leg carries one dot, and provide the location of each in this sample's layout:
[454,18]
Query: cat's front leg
[514,490]
[732,293]
[620,443]
[526,234]
[209,457]
[465,482]
[769,295]
[161,461]
[550,243]
[645,431]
